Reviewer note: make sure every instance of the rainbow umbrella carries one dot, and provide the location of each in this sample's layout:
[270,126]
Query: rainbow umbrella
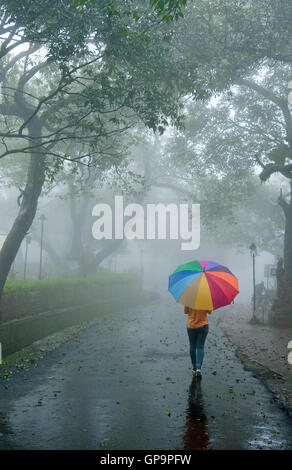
[203,285]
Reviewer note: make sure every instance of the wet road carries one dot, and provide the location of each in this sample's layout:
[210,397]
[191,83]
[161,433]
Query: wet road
[127,384]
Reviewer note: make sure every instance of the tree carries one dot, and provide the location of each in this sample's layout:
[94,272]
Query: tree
[212,161]
[167,10]
[112,82]
[218,43]
[278,160]
[248,129]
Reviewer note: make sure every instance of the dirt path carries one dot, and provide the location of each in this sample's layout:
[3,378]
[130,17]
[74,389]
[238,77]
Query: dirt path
[263,350]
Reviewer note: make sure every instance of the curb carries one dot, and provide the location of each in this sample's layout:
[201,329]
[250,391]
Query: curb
[39,349]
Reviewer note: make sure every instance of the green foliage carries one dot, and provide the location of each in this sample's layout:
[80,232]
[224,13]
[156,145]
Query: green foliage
[168,10]
[216,153]
[129,74]
[147,63]
[102,277]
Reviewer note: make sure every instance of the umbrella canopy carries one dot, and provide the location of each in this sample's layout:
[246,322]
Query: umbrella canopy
[203,285]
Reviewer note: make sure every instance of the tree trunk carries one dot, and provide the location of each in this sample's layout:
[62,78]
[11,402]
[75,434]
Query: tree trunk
[284,281]
[57,260]
[78,215]
[110,247]
[26,214]
[288,243]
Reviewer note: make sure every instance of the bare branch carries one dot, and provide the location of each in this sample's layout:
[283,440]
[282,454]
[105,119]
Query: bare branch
[280,102]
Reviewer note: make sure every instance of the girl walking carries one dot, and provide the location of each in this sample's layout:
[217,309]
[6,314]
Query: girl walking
[197,328]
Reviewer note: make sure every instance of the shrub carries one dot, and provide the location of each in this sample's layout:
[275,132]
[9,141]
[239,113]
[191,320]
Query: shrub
[16,286]
[23,298]
[281,317]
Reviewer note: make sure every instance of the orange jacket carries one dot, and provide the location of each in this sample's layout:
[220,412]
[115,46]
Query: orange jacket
[196,318]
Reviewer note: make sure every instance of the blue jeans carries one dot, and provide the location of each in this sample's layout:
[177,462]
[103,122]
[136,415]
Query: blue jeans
[197,337]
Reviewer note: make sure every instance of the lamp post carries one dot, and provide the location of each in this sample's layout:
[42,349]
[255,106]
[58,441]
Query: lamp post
[42,219]
[253,252]
[27,242]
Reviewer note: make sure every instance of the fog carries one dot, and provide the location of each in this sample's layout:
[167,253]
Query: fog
[152,260]
[209,133]
[137,136]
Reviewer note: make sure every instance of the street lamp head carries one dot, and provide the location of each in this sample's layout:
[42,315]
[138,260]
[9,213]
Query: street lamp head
[253,249]
[42,218]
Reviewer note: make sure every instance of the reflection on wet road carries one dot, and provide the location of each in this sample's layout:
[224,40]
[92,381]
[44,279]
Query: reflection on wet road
[196,434]
[127,384]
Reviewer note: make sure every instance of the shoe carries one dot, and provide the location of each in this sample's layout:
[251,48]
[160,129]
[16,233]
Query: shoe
[198,372]
[194,371]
